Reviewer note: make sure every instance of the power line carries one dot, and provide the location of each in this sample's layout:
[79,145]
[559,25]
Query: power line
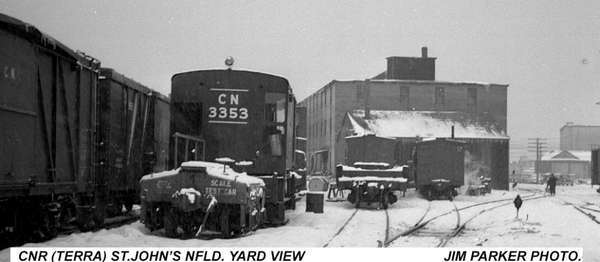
[537,145]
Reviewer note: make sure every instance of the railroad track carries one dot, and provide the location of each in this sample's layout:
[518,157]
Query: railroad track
[421,223]
[337,233]
[583,209]
[461,227]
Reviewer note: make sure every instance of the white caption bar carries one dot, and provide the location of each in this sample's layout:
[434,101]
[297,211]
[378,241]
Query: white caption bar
[162,254]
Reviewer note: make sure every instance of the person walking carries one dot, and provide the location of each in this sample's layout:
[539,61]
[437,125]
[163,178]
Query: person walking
[551,184]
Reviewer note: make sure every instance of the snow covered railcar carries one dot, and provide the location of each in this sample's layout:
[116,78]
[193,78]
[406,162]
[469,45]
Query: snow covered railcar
[202,197]
[439,167]
[241,115]
[371,182]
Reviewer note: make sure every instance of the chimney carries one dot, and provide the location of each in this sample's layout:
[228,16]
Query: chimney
[424,52]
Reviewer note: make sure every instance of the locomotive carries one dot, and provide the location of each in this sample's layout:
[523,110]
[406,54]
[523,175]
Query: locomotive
[75,137]
[245,120]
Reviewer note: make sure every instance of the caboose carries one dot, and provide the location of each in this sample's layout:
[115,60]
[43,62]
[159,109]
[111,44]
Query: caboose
[242,116]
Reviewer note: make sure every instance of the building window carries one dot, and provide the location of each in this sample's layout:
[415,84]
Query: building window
[472,99]
[440,96]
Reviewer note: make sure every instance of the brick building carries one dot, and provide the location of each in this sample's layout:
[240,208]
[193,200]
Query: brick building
[408,84]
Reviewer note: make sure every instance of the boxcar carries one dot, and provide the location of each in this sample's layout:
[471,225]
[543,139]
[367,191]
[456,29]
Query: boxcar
[242,115]
[72,142]
[133,138]
[439,167]
[595,169]
[47,111]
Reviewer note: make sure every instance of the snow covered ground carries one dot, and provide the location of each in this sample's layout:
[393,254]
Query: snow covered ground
[548,221]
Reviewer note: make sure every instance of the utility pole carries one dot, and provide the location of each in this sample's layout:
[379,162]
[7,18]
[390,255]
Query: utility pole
[537,145]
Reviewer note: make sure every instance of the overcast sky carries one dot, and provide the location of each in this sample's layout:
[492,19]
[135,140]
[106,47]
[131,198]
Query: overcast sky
[547,51]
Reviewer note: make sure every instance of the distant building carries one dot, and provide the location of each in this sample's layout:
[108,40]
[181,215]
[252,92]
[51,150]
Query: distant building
[579,137]
[567,162]
[408,84]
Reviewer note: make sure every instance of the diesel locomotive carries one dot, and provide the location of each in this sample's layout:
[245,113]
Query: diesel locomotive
[243,119]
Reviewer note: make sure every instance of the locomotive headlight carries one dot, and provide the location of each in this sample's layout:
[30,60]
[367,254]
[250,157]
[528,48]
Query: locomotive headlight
[229,61]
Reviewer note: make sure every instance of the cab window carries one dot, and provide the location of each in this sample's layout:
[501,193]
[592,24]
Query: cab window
[275,107]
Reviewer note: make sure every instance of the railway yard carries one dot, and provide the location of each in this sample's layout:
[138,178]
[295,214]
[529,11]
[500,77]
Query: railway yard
[487,221]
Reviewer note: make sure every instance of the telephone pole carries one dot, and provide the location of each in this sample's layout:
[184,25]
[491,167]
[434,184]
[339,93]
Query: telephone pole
[537,145]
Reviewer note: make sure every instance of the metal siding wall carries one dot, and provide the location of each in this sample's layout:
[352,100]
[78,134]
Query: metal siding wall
[20,142]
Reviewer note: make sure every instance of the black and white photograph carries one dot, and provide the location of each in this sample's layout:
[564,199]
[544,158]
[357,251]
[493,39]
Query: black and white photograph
[470,126]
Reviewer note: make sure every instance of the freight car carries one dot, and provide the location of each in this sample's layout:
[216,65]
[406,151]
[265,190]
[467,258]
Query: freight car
[59,147]
[133,139]
[246,117]
[202,197]
[439,167]
[595,168]
[371,182]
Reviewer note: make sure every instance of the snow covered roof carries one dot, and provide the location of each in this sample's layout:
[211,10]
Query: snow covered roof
[224,172]
[394,168]
[567,155]
[415,81]
[419,123]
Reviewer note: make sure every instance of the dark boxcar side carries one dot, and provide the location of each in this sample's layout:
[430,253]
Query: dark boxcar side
[47,105]
[595,170]
[439,159]
[128,140]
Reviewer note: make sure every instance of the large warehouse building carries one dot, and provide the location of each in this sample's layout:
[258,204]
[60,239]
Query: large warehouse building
[408,85]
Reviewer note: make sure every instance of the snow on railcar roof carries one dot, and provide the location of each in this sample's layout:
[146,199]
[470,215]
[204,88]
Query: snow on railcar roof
[161,174]
[373,178]
[224,172]
[351,168]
